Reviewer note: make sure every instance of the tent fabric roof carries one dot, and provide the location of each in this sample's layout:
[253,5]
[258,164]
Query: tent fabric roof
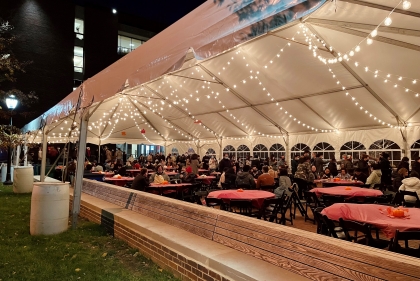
[251,72]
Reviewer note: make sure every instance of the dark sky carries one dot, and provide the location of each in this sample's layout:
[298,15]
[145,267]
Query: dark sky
[165,12]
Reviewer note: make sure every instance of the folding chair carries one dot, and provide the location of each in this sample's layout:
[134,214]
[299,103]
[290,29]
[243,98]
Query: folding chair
[405,236]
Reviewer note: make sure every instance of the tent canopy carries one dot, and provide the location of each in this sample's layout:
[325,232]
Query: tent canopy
[247,70]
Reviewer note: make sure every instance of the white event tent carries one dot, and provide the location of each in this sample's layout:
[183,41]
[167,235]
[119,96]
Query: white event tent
[258,77]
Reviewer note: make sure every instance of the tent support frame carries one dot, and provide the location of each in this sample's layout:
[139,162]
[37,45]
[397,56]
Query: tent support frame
[44,152]
[382,7]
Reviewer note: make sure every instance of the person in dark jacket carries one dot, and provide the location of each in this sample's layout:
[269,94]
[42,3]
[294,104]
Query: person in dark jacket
[333,167]
[189,176]
[363,164]
[401,174]
[141,181]
[416,166]
[319,163]
[386,170]
[206,159]
[224,163]
[404,164]
[230,177]
[244,178]
[295,163]
[359,175]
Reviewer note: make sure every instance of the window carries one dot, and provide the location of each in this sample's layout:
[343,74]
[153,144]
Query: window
[353,148]
[243,152]
[326,149]
[387,146]
[260,150]
[191,151]
[299,149]
[277,150]
[230,150]
[415,151]
[79,27]
[127,44]
[211,152]
[78,59]
[174,150]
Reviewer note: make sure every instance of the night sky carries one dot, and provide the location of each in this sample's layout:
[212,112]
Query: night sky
[165,12]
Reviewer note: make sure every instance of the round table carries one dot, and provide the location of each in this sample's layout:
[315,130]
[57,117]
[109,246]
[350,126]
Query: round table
[353,192]
[375,215]
[206,178]
[105,174]
[120,182]
[320,183]
[169,174]
[203,171]
[133,172]
[256,196]
[178,186]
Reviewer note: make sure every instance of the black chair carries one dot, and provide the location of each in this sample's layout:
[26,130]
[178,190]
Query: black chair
[398,199]
[321,227]
[243,207]
[410,203]
[187,193]
[332,199]
[406,236]
[213,202]
[287,205]
[329,184]
[243,186]
[311,202]
[271,208]
[333,230]
[169,191]
[366,236]
[269,188]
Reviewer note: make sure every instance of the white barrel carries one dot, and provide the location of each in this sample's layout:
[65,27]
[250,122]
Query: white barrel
[23,179]
[4,173]
[49,208]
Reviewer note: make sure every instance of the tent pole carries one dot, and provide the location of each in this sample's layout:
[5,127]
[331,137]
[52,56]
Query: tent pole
[221,149]
[99,151]
[17,156]
[25,153]
[405,143]
[79,168]
[288,155]
[44,153]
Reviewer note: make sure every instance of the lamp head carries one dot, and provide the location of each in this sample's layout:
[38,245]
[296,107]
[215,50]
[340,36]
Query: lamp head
[11,102]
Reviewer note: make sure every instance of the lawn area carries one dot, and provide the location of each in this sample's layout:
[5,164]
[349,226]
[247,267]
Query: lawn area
[87,253]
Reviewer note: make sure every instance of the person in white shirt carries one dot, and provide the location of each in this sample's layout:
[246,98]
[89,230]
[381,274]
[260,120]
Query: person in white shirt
[411,184]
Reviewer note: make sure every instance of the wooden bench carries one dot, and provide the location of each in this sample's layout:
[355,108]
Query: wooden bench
[307,254]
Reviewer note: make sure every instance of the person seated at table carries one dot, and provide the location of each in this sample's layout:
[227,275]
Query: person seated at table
[230,176]
[119,169]
[272,172]
[400,175]
[188,176]
[375,176]
[411,184]
[108,165]
[223,178]
[333,167]
[284,184]
[265,179]
[317,176]
[159,176]
[88,169]
[359,175]
[96,167]
[327,174]
[141,182]
[150,166]
[255,172]
[244,178]
[212,164]
[344,175]
[136,165]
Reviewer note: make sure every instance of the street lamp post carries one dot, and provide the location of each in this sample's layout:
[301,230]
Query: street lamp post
[11,103]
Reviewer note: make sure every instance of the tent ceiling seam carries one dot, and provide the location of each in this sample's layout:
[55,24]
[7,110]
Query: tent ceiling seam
[112,116]
[297,42]
[317,114]
[382,7]
[233,123]
[244,100]
[358,78]
[370,27]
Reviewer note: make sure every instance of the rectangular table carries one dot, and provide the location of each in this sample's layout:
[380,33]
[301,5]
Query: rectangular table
[375,215]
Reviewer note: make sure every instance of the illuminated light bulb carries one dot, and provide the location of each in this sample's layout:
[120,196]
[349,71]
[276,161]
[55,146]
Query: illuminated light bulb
[406,5]
[387,21]
[353,98]
[389,75]
[400,78]
[369,41]
[345,56]
[417,95]
[357,49]
[347,93]
[374,33]
[356,64]
[395,86]
[406,90]
[414,81]
[340,59]
[366,69]
[351,53]
[386,80]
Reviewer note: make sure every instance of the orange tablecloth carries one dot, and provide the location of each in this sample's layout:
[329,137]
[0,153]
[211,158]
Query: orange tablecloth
[371,213]
[120,182]
[341,190]
[256,196]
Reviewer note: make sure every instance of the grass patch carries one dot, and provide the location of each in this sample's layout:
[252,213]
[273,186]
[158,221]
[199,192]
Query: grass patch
[87,253]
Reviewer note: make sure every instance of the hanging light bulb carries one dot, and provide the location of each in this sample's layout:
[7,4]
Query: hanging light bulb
[388,21]
[369,41]
[357,49]
[351,53]
[374,32]
[406,5]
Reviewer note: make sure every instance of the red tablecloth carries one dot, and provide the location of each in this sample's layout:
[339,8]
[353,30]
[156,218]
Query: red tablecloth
[120,182]
[105,174]
[371,213]
[341,182]
[203,171]
[178,186]
[167,173]
[341,190]
[133,172]
[206,177]
[257,196]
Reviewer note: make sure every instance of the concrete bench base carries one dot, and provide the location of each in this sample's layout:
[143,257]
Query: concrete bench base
[188,256]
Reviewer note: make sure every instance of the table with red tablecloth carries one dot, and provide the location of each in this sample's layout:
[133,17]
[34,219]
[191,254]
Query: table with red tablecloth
[353,191]
[178,186]
[206,179]
[320,183]
[256,196]
[133,172]
[169,174]
[119,181]
[375,215]
[105,174]
[203,171]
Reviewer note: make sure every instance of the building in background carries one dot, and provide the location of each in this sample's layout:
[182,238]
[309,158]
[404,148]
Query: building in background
[68,43]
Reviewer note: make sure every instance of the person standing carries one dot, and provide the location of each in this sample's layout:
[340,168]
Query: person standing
[195,164]
[224,163]
[108,154]
[206,159]
[119,155]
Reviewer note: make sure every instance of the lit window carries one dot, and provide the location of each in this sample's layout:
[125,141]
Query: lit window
[127,44]
[79,28]
[78,59]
